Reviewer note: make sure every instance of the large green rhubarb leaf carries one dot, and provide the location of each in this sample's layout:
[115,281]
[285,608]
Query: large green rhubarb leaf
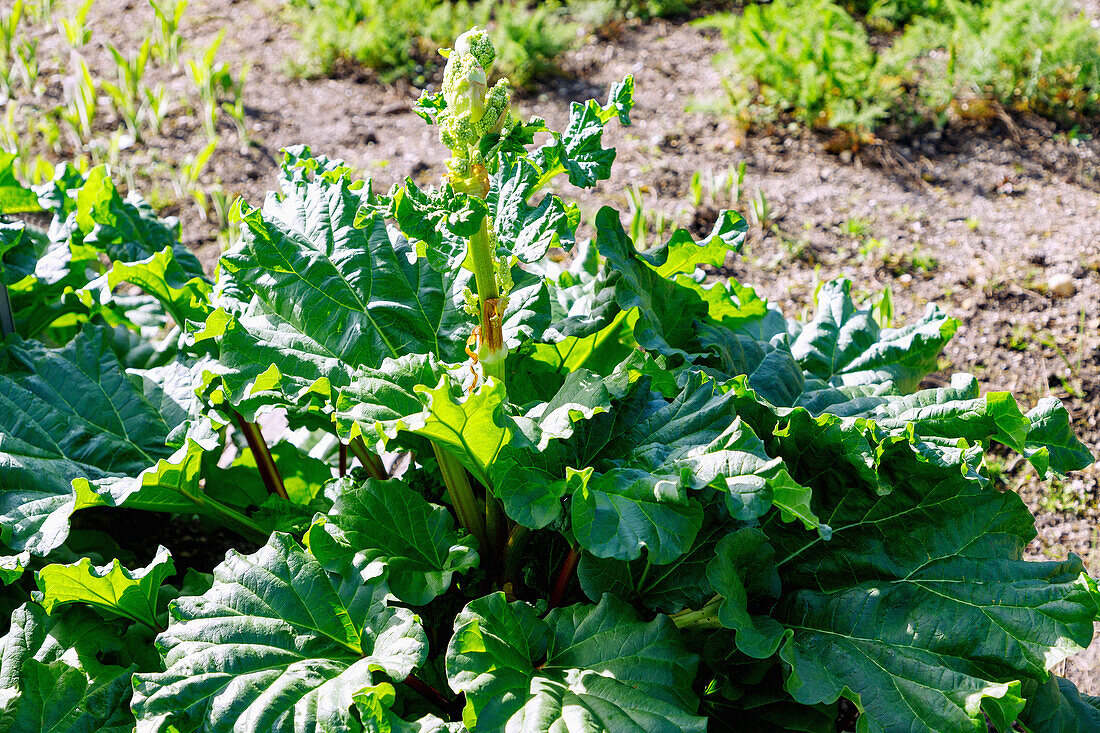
[844,345]
[388,522]
[920,608]
[667,309]
[584,668]
[60,698]
[632,472]
[946,414]
[327,294]
[669,588]
[276,646]
[68,672]
[1059,706]
[66,413]
[125,230]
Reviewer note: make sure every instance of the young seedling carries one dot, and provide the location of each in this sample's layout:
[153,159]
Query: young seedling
[75,29]
[185,177]
[7,82]
[80,103]
[696,189]
[761,209]
[11,138]
[38,10]
[210,79]
[157,103]
[9,28]
[235,106]
[27,63]
[737,182]
[126,96]
[166,36]
[229,227]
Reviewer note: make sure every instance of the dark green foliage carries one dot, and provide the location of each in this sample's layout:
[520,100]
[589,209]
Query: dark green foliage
[764,514]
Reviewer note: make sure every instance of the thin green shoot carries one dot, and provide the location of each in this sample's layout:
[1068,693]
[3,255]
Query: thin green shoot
[75,29]
[209,78]
[638,216]
[235,106]
[80,104]
[185,177]
[9,27]
[156,104]
[166,36]
[126,96]
[761,209]
[26,61]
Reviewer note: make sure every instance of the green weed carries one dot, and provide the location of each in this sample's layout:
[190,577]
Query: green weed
[80,105]
[75,29]
[166,36]
[950,61]
[1039,57]
[808,60]
[400,38]
[126,96]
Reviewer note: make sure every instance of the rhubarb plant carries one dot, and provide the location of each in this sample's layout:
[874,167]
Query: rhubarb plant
[487,475]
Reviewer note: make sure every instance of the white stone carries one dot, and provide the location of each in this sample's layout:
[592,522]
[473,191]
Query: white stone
[1062,285]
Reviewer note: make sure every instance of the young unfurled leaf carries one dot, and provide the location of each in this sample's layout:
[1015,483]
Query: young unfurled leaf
[523,230]
[578,151]
[112,588]
[442,219]
[595,669]
[667,311]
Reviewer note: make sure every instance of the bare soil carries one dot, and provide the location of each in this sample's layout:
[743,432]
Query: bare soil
[976,219]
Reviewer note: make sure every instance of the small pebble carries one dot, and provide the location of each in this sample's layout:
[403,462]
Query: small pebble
[905,278]
[845,156]
[1062,285]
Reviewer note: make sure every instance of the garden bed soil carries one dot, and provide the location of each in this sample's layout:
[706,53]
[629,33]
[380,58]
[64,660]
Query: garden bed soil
[978,220]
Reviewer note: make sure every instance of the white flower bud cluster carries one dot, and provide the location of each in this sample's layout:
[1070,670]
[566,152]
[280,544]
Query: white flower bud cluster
[473,109]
